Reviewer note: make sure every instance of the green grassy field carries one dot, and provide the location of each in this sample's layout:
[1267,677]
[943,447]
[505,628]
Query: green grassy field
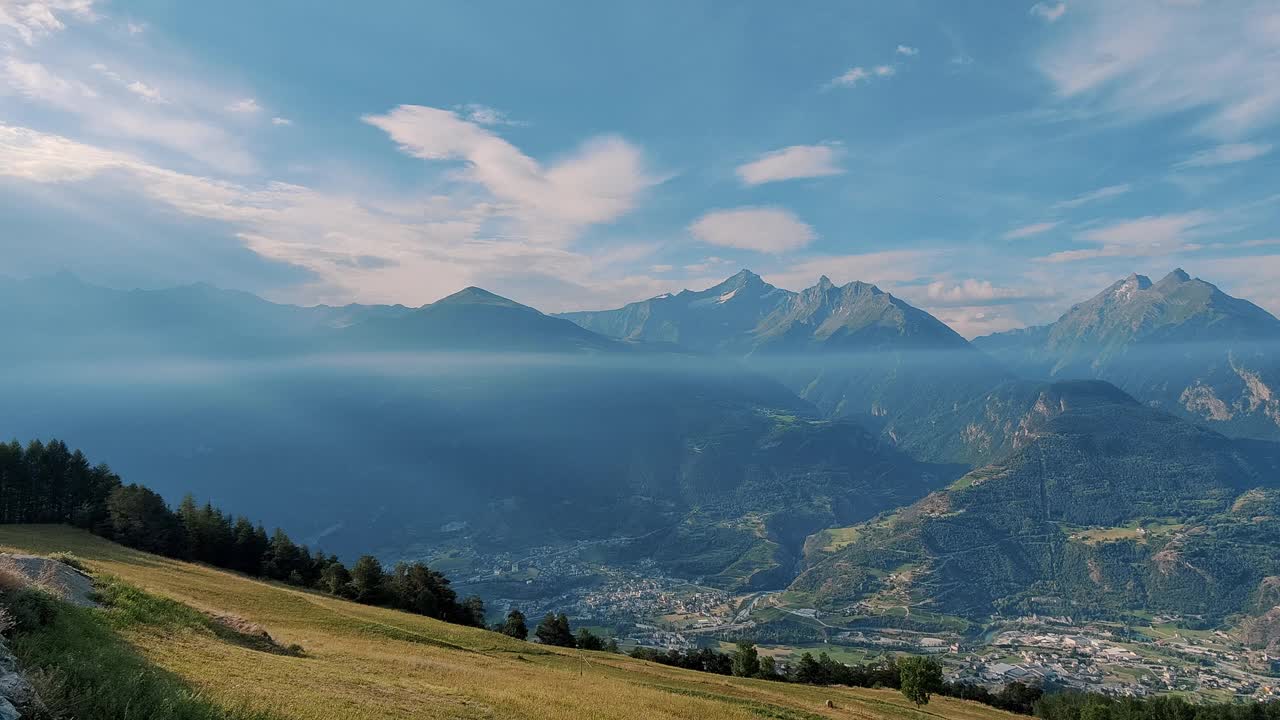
[362,662]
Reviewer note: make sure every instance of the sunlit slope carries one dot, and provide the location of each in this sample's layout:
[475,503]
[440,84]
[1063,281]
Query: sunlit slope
[364,662]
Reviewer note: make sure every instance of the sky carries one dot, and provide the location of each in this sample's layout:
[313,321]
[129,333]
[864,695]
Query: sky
[991,162]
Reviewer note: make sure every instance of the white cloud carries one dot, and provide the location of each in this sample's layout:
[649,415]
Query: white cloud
[281,121]
[598,183]
[244,105]
[908,50]
[850,77]
[1153,235]
[885,70]
[146,92]
[762,229]
[661,268]
[1031,230]
[790,163]
[1226,154]
[1139,60]
[135,28]
[32,20]
[1049,12]
[1109,191]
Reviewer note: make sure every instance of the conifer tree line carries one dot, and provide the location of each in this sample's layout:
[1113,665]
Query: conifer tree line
[49,483]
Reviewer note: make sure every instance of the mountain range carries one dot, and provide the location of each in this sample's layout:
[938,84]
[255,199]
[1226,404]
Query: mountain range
[1089,465]
[853,351]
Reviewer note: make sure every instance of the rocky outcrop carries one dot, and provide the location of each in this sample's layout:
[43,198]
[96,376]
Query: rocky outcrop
[16,694]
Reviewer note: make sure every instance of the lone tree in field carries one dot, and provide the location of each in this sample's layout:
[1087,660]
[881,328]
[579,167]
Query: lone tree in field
[919,677]
[746,661]
[515,626]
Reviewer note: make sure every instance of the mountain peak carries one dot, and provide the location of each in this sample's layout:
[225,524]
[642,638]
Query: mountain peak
[1129,287]
[1177,276]
[473,295]
[745,274]
[825,283]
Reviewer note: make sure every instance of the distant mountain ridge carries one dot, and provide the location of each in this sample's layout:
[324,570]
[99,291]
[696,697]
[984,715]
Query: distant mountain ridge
[1180,344]
[853,350]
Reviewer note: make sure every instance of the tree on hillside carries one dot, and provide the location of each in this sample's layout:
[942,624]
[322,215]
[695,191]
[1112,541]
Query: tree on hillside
[746,660]
[919,677]
[368,580]
[140,519]
[514,626]
[808,670]
[473,608]
[587,640]
[335,579]
[769,668]
[554,630]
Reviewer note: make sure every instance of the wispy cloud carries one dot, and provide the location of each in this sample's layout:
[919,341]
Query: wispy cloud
[1146,236]
[247,106]
[907,50]
[31,20]
[281,121]
[855,76]
[762,229]
[1139,60]
[1226,154]
[1104,193]
[790,163]
[1031,230]
[1049,12]
[145,91]
[106,115]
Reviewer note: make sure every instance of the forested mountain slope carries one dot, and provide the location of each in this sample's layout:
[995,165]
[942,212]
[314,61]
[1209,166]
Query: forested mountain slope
[1105,506]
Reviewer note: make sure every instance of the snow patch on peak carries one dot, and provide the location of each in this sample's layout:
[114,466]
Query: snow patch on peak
[726,297]
[1131,286]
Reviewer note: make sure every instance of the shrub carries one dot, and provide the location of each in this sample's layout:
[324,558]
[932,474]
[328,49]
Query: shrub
[12,578]
[70,560]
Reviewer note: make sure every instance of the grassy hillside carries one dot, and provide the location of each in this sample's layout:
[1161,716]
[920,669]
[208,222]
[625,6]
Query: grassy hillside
[364,662]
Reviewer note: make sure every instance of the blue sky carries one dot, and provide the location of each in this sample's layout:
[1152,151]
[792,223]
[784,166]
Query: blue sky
[992,162]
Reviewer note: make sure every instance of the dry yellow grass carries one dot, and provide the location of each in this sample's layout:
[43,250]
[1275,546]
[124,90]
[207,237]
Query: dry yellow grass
[369,663]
